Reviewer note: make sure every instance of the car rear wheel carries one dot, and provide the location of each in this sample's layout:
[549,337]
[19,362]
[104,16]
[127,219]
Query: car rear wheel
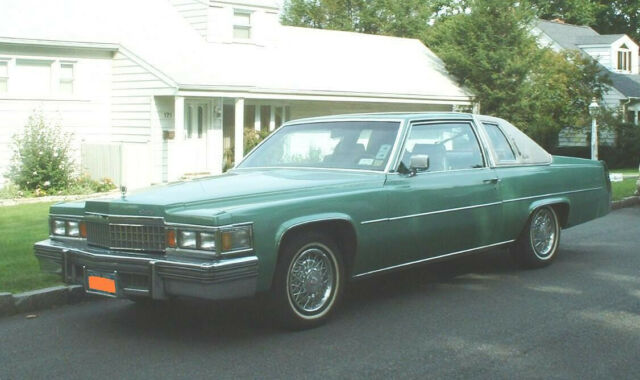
[538,244]
[309,280]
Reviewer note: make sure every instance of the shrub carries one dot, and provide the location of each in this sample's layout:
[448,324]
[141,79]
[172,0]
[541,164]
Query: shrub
[253,138]
[41,157]
[624,154]
[86,185]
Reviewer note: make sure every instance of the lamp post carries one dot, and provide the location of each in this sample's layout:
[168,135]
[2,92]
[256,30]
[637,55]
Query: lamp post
[594,108]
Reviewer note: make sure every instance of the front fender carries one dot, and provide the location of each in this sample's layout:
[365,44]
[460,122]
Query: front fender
[308,219]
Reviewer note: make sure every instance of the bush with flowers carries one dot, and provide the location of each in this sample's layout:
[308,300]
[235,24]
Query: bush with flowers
[41,161]
[42,164]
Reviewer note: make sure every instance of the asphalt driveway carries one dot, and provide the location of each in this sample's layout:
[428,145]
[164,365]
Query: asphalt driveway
[477,316]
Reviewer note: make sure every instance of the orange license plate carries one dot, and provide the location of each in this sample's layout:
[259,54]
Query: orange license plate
[101,283]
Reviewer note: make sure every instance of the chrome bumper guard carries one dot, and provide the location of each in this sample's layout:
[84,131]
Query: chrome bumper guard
[151,275]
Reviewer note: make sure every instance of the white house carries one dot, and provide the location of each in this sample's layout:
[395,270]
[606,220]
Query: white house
[616,53]
[156,89]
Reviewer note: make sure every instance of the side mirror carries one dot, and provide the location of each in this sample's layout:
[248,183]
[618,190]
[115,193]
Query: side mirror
[419,163]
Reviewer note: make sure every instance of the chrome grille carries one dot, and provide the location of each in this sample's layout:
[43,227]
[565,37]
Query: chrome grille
[137,236]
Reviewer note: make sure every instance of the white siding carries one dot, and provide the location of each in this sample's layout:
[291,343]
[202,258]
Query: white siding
[195,12]
[85,113]
[132,94]
[613,99]
[601,54]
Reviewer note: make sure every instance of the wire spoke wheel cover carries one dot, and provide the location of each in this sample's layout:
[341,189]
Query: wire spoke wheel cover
[312,280]
[543,233]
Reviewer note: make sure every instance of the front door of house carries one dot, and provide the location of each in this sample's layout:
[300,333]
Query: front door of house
[196,125]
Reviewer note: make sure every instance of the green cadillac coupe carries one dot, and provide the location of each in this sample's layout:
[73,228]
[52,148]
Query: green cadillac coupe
[326,200]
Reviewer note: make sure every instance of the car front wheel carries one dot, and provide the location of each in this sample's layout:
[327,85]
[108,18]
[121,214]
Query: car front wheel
[538,243]
[309,280]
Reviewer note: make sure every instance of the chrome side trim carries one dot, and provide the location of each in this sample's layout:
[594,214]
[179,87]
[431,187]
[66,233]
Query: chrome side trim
[375,221]
[433,258]
[429,213]
[552,194]
[476,206]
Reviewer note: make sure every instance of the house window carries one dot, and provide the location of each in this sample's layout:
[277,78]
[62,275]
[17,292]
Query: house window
[4,76]
[66,78]
[624,58]
[241,25]
[32,77]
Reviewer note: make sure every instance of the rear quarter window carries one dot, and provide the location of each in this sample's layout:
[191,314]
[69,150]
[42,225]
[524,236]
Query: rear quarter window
[511,146]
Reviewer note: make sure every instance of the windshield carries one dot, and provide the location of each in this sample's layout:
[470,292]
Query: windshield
[364,145]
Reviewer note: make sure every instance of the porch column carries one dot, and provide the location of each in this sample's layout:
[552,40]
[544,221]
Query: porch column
[635,117]
[239,131]
[284,114]
[272,119]
[256,122]
[178,121]
[175,155]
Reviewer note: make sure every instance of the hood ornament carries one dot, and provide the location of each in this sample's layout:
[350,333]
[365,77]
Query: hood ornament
[123,191]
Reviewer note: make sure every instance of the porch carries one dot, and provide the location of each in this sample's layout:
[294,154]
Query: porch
[193,135]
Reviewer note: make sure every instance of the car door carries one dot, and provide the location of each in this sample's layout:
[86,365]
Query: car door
[451,207]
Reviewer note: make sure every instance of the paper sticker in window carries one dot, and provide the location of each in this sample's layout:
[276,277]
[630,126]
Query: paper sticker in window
[383,151]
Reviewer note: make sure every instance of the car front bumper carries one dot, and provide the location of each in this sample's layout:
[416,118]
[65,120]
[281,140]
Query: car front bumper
[147,275]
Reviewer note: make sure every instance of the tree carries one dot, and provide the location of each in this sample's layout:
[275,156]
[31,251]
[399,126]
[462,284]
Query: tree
[579,12]
[618,16]
[487,46]
[401,18]
[605,16]
[491,50]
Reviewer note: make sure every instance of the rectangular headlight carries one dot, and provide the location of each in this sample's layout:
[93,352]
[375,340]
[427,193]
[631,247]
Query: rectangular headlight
[59,227]
[207,241]
[73,229]
[187,239]
[237,238]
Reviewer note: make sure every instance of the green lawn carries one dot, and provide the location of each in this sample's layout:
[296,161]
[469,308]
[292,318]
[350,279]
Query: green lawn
[20,227]
[623,189]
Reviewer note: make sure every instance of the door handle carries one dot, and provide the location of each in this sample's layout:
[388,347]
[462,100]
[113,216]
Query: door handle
[491,181]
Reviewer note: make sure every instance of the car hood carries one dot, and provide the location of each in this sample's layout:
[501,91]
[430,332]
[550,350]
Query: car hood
[240,186]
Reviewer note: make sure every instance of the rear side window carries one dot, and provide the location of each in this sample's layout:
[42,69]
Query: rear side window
[502,151]
[511,146]
[528,151]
